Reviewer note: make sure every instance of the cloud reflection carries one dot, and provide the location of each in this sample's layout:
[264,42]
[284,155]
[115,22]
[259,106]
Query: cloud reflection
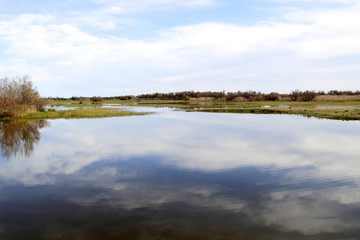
[281,173]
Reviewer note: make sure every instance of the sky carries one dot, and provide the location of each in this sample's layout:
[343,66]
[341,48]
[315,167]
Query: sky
[120,47]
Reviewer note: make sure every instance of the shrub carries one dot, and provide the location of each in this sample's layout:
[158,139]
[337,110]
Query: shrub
[96,99]
[308,96]
[272,96]
[74,98]
[187,98]
[295,95]
[130,97]
[230,96]
[18,97]
[303,96]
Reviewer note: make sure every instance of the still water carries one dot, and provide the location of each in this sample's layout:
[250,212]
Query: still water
[178,175]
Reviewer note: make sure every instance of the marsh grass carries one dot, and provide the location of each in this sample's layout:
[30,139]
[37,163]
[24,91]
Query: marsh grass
[308,109]
[80,113]
[304,108]
[342,114]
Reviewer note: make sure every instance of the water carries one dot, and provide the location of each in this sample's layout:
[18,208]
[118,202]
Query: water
[178,175]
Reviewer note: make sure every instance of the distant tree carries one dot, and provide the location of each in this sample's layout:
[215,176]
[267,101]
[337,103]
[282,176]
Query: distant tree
[18,97]
[295,95]
[308,96]
[96,99]
[230,96]
[74,98]
[274,96]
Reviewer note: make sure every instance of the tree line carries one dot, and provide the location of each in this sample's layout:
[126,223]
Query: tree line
[295,95]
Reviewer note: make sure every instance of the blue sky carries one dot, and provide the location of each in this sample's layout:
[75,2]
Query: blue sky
[118,47]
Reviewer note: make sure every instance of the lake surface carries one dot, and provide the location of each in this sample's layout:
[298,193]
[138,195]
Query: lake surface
[179,175]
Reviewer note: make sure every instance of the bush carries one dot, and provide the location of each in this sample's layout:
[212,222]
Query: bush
[295,95]
[272,96]
[18,97]
[96,99]
[308,96]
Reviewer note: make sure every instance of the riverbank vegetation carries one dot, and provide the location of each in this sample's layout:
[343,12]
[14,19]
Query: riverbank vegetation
[19,97]
[78,113]
[341,110]
[321,111]
[249,96]
[239,96]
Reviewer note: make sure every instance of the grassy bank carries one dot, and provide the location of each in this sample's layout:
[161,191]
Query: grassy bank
[338,114]
[321,109]
[78,113]
[327,110]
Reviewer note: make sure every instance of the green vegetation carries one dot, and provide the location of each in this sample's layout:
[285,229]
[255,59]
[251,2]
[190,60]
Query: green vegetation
[78,113]
[349,110]
[328,110]
[328,113]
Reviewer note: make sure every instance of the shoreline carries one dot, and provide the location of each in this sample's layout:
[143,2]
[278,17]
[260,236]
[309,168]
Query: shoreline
[76,114]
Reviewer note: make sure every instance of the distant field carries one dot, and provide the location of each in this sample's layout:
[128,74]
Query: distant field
[341,98]
[341,110]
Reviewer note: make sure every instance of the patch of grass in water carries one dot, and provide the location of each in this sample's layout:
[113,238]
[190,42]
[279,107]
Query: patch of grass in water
[318,113]
[81,113]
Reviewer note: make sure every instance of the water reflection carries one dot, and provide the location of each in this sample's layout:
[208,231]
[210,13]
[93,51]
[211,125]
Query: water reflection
[19,137]
[186,176]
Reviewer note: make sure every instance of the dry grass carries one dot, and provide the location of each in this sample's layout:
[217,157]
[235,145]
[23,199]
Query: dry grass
[337,98]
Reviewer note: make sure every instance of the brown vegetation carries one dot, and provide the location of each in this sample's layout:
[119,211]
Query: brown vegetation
[239,96]
[249,96]
[95,100]
[19,97]
[337,98]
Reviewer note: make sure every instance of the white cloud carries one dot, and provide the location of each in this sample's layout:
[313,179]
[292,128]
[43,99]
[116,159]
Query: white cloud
[273,56]
[137,5]
[314,1]
[112,14]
